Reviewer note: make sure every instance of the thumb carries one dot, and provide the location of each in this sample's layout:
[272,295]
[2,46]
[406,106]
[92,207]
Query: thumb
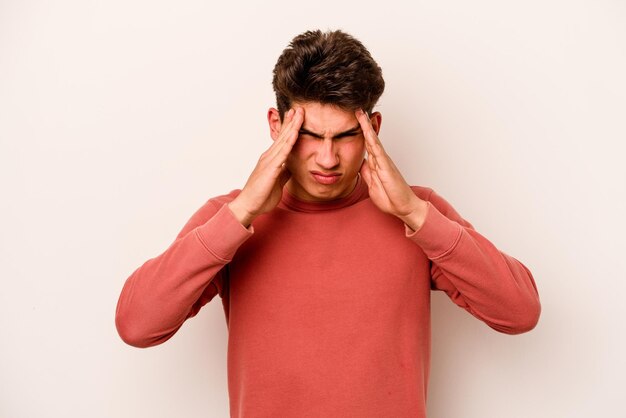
[365,172]
[284,176]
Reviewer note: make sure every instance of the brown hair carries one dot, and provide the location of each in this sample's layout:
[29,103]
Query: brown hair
[329,68]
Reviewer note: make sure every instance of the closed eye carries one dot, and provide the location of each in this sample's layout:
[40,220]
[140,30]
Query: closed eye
[346,134]
[337,137]
[351,135]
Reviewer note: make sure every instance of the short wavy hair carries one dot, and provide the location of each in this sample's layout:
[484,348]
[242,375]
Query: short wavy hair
[330,68]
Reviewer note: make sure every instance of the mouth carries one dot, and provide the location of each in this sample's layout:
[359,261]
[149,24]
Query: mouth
[326,178]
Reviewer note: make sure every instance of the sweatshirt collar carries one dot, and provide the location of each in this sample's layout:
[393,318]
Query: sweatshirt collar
[289,201]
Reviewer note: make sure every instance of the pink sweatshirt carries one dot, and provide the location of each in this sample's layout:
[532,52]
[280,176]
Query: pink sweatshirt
[327,304]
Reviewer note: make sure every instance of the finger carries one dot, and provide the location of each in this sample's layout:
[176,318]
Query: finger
[372,142]
[376,181]
[287,118]
[386,174]
[371,176]
[296,122]
[291,131]
[287,138]
[368,130]
[366,172]
[367,142]
[275,143]
[284,176]
[371,161]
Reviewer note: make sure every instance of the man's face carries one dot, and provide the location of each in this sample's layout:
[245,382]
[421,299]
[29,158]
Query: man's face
[327,156]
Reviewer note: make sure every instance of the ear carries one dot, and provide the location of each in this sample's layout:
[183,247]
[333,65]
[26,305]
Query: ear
[376,119]
[273,119]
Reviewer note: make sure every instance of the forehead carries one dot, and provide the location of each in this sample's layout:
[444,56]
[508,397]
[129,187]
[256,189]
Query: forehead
[326,118]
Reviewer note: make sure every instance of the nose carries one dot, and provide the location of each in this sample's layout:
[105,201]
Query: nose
[326,156]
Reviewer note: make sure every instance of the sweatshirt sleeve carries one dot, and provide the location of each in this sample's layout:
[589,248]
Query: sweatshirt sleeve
[491,285]
[168,289]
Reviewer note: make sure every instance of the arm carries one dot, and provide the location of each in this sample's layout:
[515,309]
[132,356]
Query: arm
[168,289]
[491,285]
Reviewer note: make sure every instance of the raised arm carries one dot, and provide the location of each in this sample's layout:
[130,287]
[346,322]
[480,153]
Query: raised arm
[491,285]
[488,283]
[166,290]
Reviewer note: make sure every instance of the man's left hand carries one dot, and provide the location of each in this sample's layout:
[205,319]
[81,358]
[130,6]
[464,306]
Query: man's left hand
[387,188]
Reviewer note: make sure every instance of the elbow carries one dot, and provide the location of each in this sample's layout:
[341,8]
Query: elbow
[133,334]
[523,319]
[129,333]
[133,325]
[525,324]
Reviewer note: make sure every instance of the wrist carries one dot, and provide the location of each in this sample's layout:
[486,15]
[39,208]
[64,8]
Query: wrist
[416,217]
[243,216]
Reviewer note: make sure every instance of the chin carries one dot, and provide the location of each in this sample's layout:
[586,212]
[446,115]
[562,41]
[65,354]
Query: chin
[327,193]
[308,189]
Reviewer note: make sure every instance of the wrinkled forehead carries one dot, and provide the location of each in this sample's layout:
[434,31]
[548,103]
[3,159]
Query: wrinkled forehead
[327,119]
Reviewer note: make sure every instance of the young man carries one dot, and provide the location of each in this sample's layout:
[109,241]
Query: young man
[324,261]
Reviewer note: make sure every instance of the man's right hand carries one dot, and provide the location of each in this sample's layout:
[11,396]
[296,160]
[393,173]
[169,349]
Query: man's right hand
[264,187]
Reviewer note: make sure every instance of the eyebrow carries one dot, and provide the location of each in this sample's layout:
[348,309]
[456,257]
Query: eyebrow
[351,131]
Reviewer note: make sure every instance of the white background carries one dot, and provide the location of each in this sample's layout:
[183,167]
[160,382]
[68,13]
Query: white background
[119,119]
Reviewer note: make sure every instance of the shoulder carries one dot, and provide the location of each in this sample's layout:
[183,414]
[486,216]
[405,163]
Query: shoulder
[224,198]
[440,203]
[212,205]
[207,210]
